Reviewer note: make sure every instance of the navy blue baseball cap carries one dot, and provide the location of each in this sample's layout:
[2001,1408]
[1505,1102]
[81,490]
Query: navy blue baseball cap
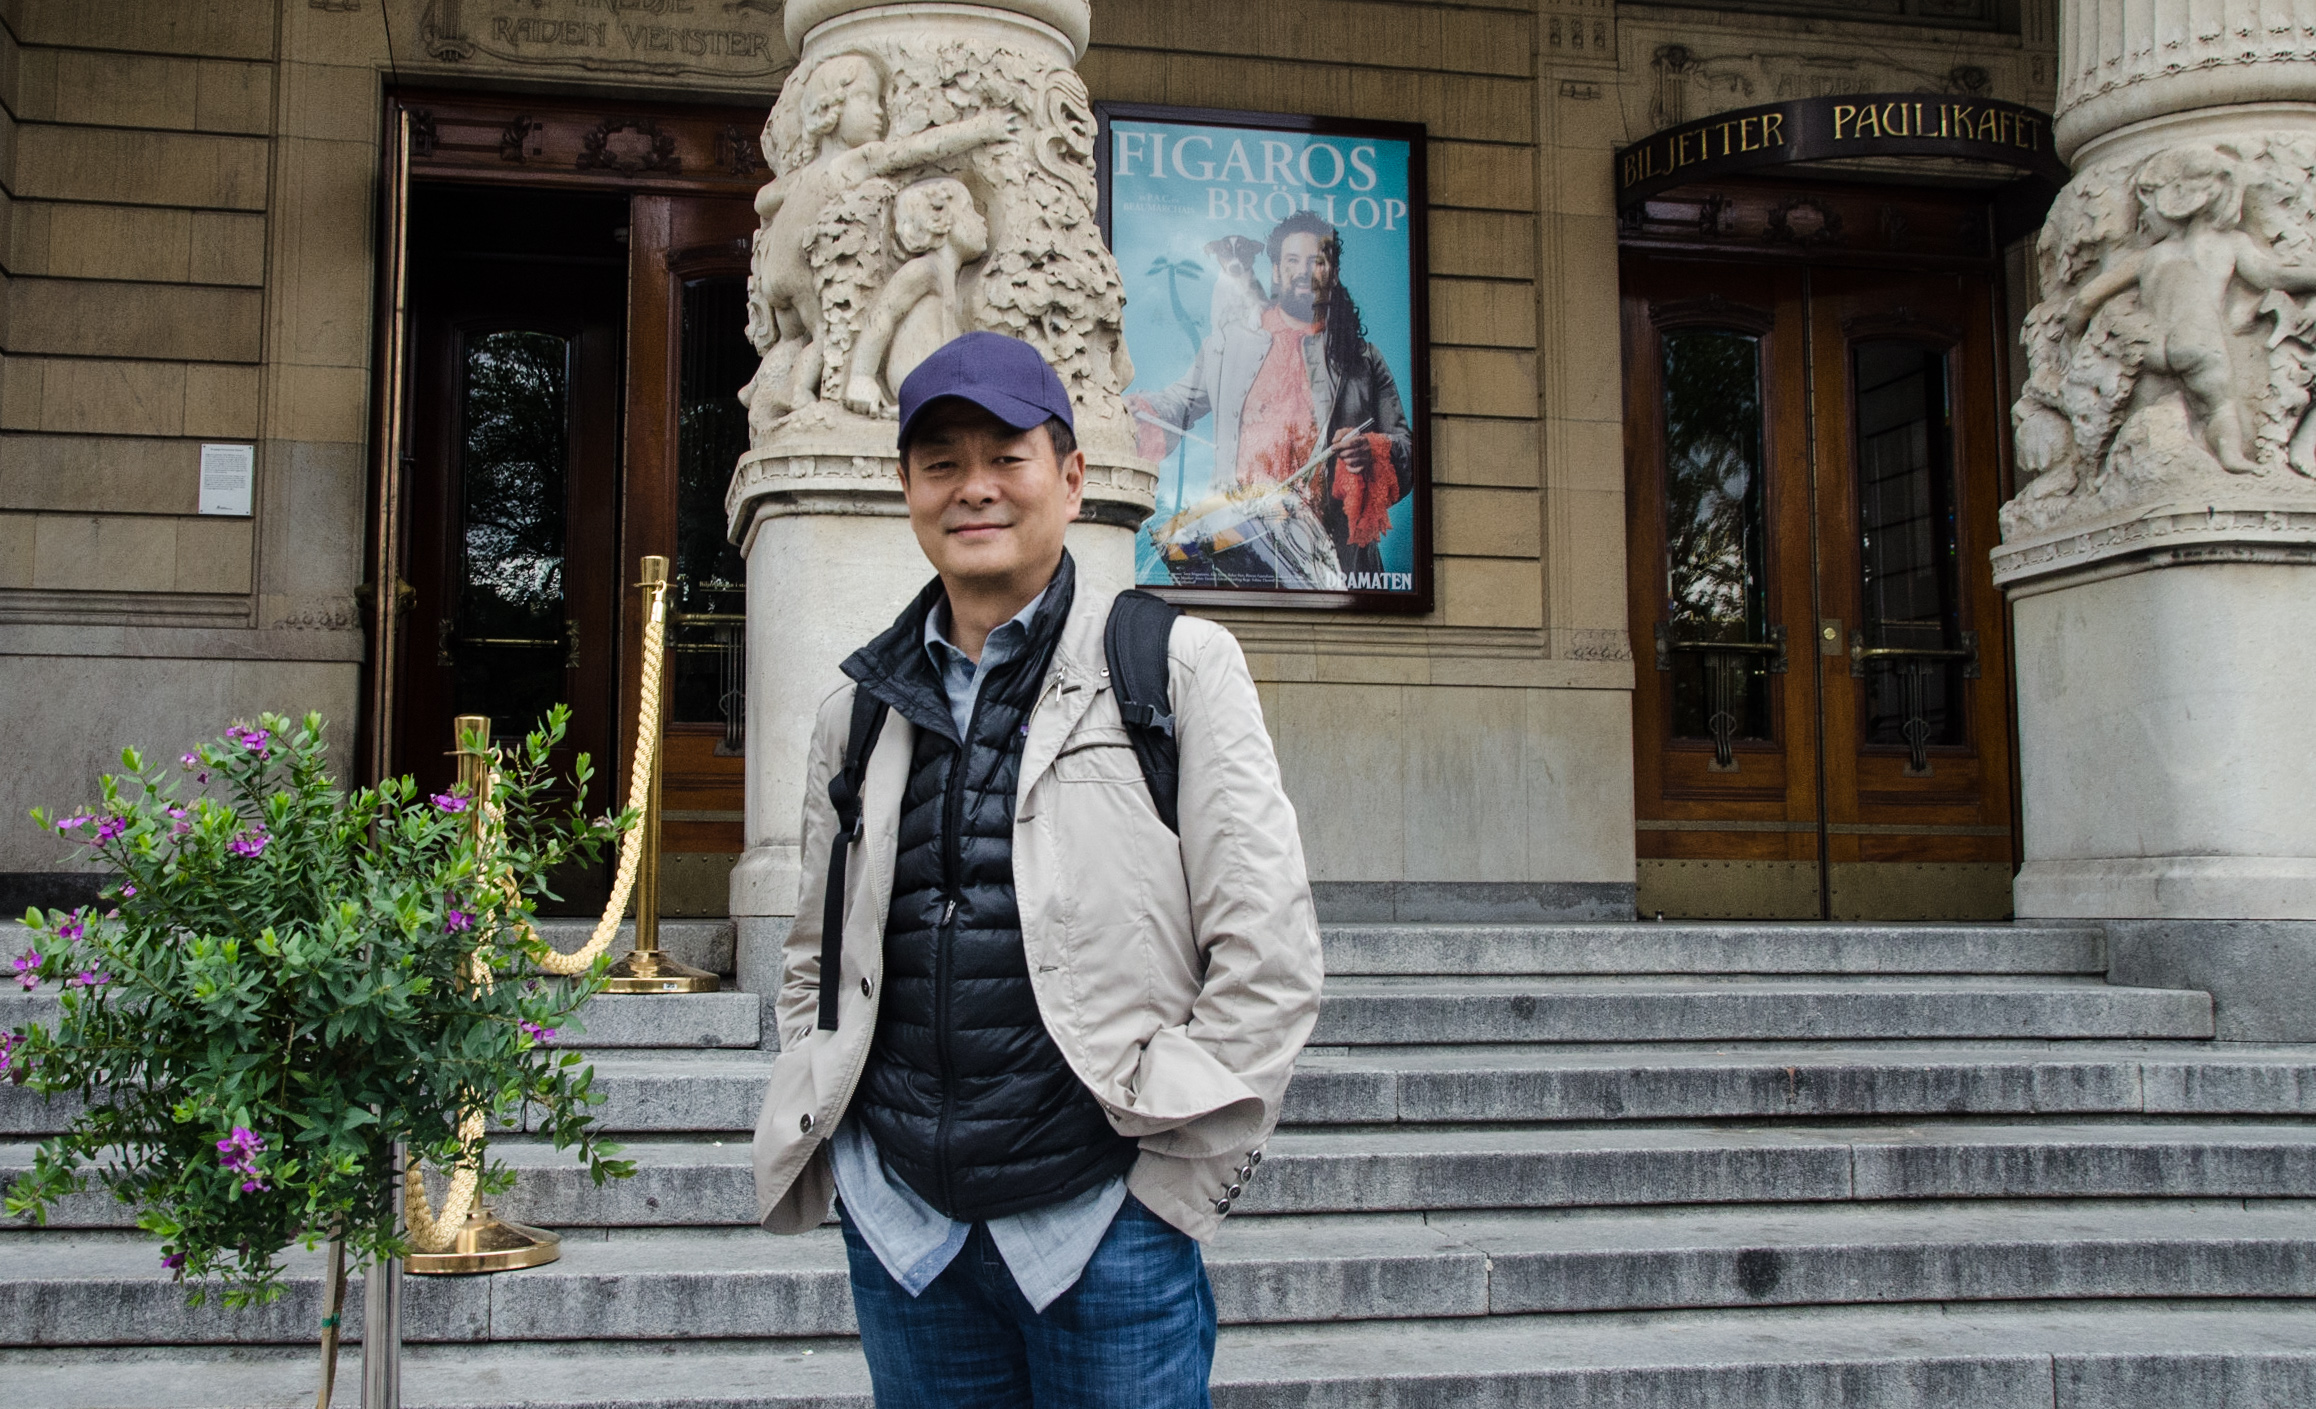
[1004,376]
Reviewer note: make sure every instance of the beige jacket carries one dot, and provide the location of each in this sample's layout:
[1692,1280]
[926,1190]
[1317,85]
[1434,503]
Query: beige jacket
[1179,979]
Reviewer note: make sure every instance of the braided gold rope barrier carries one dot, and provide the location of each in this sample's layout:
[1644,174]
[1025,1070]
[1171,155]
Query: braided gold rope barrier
[432,1232]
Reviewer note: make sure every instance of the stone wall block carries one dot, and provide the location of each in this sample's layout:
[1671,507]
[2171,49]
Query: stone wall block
[232,97]
[319,403]
[1585,455]
[222,28]
[1483,313]
[1481,175]
[1583,303]
[1487,523]
[16,534]
[92,318]
[222,401]
[213,555]
[1579,770]
[1467,744]
[104,553]
[1490,592]
[1471,451]
[1343,757]
[141,168]
[330,102]
[21,387]
[1483,381]
[226,248]
[108,397]
[1584,542]
[323,280]
[314,497]
[98,474]
[117,90]
[1483,244]
[112,242]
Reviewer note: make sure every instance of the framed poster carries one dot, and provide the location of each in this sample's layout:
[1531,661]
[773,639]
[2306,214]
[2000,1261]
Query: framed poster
[1275,272]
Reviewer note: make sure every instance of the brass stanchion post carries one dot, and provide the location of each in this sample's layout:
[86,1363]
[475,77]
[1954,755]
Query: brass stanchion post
[487,1243]
[647,969]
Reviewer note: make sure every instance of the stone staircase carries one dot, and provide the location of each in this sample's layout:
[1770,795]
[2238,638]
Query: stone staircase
[1653,1164]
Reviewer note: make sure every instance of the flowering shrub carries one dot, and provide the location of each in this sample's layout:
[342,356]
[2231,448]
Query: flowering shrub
[285,980]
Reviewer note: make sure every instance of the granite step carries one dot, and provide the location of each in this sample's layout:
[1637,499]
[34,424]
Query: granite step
[728,1019]
[1703,947]
[683,1182]
[100,1289]
[1701,1081]
[673,1090]
[2250,1355]
[1377,1010]
[703,944]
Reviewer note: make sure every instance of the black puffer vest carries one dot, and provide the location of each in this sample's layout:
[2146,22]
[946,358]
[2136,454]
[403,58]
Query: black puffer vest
[965,1094]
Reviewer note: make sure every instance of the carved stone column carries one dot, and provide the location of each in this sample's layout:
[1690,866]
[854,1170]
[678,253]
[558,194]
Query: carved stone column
[2161,559]
[933,175]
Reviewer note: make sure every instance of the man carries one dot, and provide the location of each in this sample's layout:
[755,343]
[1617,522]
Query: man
[1306,378]
[1060,1031]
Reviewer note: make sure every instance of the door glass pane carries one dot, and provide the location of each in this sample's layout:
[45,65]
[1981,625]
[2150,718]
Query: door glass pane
[512,640]
[1716,563]
[1906,541]
[711,432]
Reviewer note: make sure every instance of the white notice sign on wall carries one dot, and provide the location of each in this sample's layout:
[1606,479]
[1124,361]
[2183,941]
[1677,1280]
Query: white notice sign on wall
[227,471]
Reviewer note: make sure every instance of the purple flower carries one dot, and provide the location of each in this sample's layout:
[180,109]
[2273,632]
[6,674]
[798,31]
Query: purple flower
[28,969]
[181,826]
[257,741]
[238,1152]
[9,1042]
[73,823]
[537,1033]
[73,928]
[88,978]
[448,802]
[128,892]
[249,844]
[110,828]
[457,920]
[172,1260]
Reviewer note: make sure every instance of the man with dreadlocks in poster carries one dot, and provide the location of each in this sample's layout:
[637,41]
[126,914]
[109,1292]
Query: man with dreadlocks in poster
[1305,394]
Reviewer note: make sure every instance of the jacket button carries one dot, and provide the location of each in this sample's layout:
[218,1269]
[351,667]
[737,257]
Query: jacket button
[1255,1158]
[865,989]
[1222,1206]
[1245,1172]
[1234,1190]
[804,1123]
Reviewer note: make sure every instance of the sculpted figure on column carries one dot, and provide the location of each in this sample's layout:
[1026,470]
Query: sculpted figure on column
[927,186]
[2172,348]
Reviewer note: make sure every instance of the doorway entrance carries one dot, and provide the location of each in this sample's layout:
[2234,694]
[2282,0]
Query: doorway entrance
[566,374]
[1821,705]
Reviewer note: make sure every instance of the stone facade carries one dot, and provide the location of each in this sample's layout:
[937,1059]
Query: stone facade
[2159,558]
[190,258]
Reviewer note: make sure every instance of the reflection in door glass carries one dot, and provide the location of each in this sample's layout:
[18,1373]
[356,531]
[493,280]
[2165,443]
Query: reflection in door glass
[1716,569]
[512,641]
[711,433]
[1906,543]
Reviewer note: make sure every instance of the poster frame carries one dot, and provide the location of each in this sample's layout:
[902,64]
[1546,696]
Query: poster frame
[1415,396]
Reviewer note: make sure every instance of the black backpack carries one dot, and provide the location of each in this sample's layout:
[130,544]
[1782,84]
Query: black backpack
[1133,643]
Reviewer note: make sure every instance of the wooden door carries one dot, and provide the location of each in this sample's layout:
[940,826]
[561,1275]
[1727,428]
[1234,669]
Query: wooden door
[1918,750]
[688,358]
[1820,709]
[518,304]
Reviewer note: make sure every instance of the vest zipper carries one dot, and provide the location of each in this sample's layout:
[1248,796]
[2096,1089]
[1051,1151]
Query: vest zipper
[952,817]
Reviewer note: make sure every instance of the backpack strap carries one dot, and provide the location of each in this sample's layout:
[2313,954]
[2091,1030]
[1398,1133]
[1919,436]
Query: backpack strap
[868,720]
[1134,645]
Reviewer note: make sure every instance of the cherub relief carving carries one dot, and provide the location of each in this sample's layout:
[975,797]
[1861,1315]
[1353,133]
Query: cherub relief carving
[996,141]
[2150,367]
[918,309]
[837,166]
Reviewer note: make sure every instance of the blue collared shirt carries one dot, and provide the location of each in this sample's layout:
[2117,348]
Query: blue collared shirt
[1047,1248]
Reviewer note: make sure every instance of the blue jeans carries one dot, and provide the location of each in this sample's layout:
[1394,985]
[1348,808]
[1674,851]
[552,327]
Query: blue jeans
[1136,1332]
